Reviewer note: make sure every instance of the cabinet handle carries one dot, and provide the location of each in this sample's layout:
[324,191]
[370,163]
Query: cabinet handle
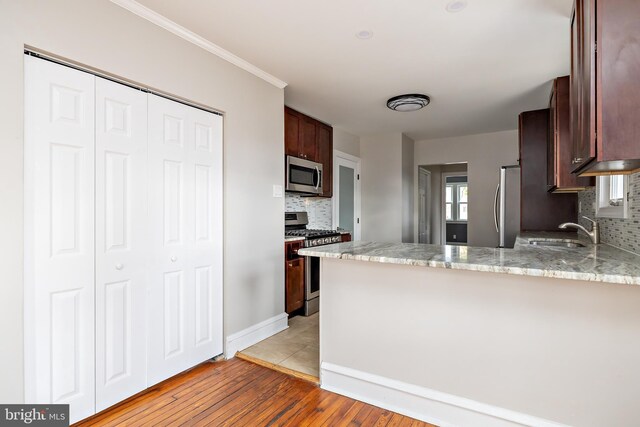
[174,258]
[290,264]
[576,160]
[119,266]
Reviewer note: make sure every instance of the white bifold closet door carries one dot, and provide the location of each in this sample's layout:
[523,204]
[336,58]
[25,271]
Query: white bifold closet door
[185,182]
[59,236]
[122,246]
[123,238]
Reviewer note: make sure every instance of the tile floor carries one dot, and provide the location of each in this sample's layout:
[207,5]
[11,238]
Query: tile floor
[296,348]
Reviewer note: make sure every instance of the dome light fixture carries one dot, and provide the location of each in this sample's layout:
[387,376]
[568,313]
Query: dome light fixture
[456,6]
[364,34]
[409,102]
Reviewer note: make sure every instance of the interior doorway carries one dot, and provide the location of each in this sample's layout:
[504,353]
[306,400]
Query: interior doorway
[346,193]
[455,208]
[443,214]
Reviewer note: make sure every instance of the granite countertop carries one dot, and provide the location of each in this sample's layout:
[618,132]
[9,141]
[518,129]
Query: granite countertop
[595,263]
[293,239]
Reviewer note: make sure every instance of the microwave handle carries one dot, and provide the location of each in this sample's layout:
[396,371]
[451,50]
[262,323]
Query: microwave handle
[318,175]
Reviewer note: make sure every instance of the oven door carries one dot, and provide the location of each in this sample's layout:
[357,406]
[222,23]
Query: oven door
[312,278]
[304,176]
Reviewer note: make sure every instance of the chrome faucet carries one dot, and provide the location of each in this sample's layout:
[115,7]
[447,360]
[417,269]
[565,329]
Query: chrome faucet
[594,234]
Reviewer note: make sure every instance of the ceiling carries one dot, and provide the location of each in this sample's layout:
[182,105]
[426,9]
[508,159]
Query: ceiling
[481,66]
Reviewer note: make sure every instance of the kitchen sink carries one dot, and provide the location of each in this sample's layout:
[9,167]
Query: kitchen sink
[556,243]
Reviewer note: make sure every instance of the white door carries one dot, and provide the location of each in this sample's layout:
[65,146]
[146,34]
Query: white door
[121,242]
[185,202]
[346,189]
[59,239]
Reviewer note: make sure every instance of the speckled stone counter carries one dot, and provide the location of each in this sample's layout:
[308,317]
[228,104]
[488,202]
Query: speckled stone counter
[293,239]
[596,263]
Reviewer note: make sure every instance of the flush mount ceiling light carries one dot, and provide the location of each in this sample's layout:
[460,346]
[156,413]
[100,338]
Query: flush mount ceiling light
[364,34]
[456,6]
[409,102]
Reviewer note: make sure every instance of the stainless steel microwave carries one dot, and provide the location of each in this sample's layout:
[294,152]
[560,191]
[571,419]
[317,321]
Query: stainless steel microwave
[303,176]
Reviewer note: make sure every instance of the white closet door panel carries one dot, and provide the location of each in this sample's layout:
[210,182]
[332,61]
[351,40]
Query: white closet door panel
[121,242]
[169,293]
[185,161]
[205,245]
[59,236]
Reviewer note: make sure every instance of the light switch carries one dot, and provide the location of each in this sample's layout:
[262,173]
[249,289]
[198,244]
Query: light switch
[277,191]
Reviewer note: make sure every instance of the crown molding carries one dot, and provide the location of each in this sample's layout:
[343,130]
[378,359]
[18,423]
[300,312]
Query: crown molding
[161,21]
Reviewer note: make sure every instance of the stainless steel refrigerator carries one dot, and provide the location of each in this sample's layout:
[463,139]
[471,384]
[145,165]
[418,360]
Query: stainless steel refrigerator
[506,207]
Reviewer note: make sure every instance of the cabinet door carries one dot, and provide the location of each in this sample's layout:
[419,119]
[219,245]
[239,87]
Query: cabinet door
[185,205]
[586,143]
[552,142]
[121,242]
[325,156]
[575,80]
[308,138]
[618,89]
[560,144]
[294,290]
[59,237]
[292,133]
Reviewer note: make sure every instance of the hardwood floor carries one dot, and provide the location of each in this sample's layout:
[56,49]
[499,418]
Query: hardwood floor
[240,393]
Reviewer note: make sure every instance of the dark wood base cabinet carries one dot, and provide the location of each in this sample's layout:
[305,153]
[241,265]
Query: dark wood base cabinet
[294,291]
[539,209]
[294,277]
[605,87]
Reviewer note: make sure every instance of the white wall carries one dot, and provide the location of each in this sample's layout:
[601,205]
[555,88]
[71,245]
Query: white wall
[100,34]
[557,349]
[381,187]
[346,142]
[484,154]
[407,190]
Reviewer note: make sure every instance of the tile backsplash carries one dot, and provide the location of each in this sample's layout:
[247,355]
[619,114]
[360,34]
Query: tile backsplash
[320,209]
[622,233]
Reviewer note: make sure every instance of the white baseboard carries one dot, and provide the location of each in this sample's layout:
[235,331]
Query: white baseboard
[421,403]
[254,334]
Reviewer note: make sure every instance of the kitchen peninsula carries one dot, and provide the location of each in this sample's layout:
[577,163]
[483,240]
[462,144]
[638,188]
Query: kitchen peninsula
[535,335]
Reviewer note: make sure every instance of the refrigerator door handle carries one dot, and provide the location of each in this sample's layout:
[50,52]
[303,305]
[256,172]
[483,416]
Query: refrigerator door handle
[495,209]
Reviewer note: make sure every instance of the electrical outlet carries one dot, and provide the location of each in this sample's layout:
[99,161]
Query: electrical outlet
[277,191]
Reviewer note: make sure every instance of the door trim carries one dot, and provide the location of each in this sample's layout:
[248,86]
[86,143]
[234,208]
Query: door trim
[357,212]
[427,205]
[443,215]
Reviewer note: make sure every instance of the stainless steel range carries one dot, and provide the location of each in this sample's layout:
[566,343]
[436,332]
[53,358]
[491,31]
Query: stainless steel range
[295,225]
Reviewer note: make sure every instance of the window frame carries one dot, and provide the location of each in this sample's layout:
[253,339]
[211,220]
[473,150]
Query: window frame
[455,202]
[603,190]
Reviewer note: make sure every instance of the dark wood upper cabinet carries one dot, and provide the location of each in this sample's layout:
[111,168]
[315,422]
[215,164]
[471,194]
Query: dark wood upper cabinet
[605,70]
[310,139]
[559,144]
[292,122]
[325,156]
[539,209]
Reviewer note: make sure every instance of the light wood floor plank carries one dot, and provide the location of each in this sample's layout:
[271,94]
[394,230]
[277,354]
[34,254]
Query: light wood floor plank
[241,393]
